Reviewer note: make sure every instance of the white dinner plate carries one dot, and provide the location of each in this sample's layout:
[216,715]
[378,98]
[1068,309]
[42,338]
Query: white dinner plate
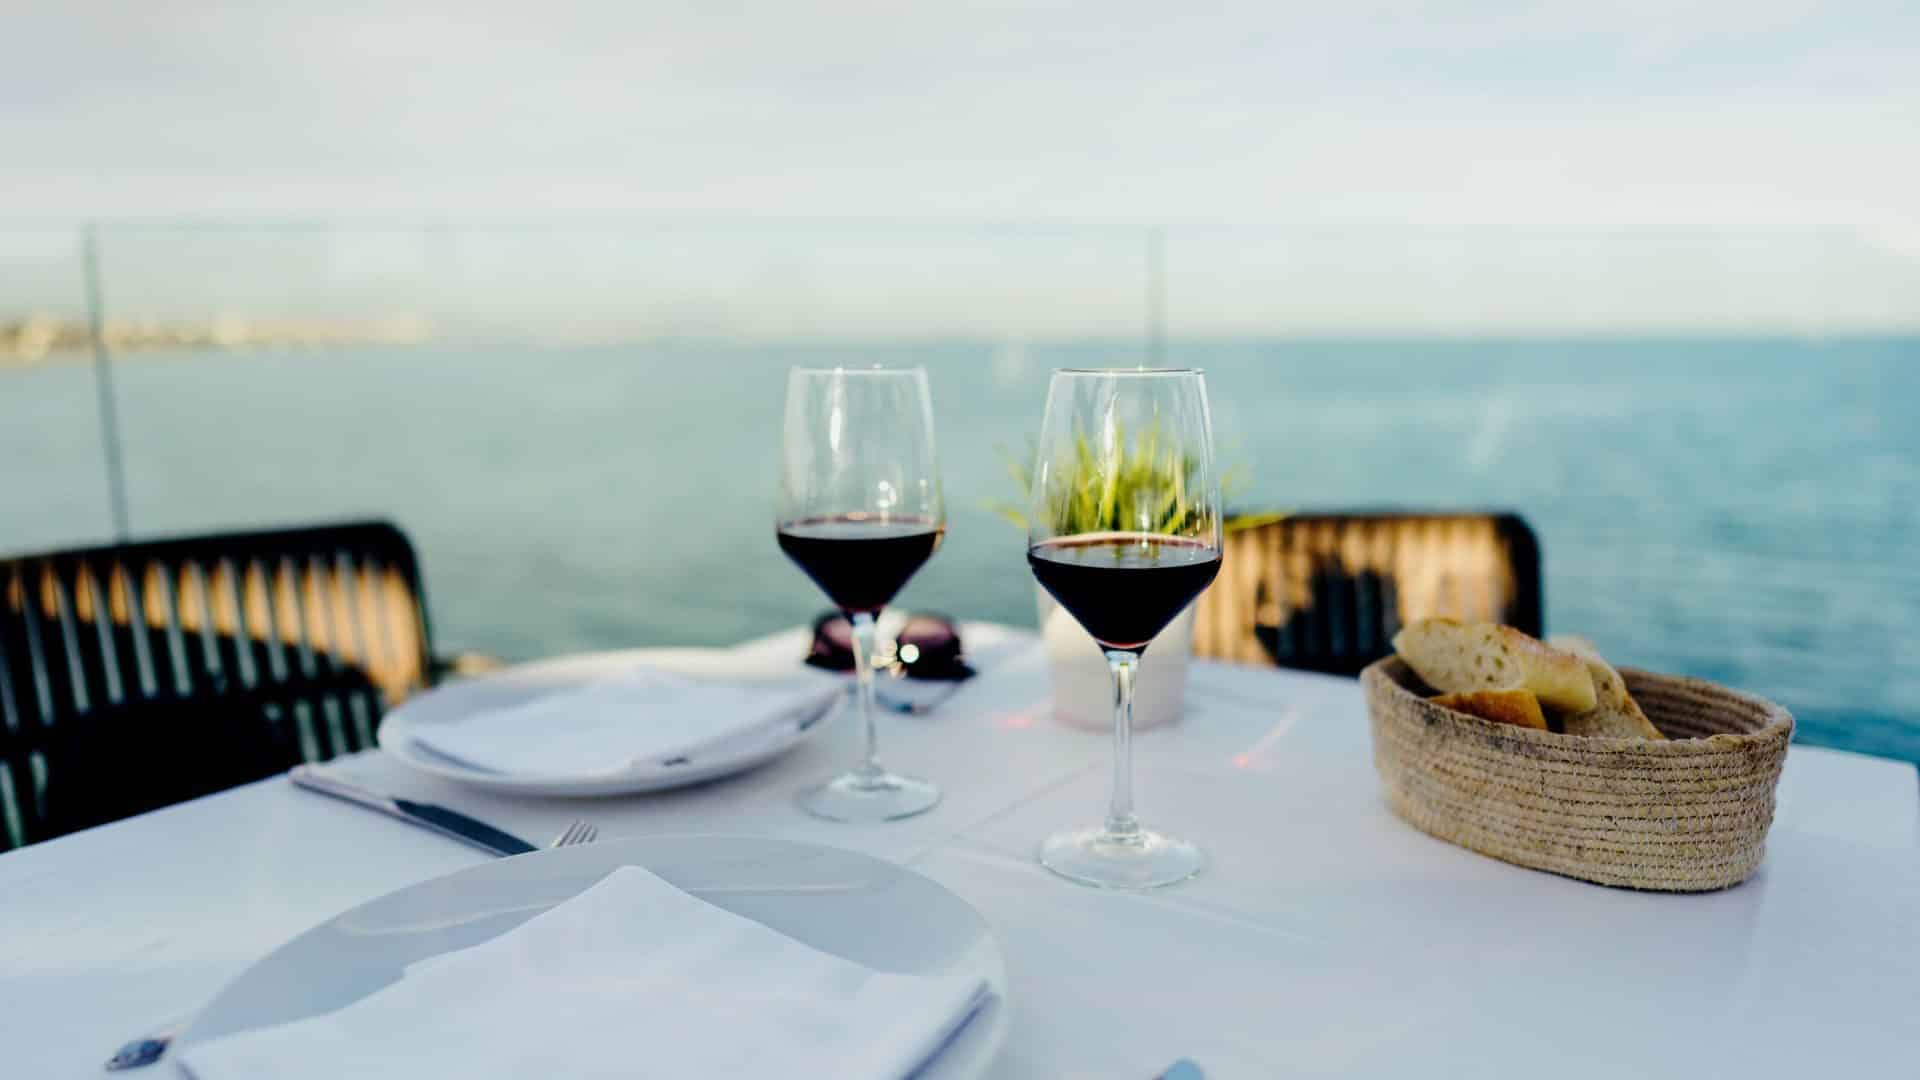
[842,902]
[522,683]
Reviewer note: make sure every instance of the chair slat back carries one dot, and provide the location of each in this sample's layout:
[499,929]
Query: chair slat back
[1327,592]
[138,675]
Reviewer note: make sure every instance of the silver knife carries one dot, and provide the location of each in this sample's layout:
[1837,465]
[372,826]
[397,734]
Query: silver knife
[446,822]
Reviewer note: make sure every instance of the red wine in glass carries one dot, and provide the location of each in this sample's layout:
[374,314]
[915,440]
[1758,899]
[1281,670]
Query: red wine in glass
[1124,587]
[1123,529]
[860,509]
[860,560]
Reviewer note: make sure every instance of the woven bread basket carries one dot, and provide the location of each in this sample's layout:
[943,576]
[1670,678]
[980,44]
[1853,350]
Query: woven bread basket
[1686,814]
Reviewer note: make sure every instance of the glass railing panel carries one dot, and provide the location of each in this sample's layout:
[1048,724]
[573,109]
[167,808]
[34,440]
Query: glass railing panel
[55,492]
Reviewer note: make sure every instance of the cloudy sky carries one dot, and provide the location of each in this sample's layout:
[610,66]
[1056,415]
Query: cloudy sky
[1731,130]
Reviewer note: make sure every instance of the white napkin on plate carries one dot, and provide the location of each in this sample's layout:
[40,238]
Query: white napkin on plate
[638,717]
[630,978]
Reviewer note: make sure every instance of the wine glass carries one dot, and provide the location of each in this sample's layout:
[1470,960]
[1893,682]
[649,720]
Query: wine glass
[860,510]
[1124,531]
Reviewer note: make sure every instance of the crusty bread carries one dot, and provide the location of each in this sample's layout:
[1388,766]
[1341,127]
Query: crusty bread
[1614,711]
[1517,707]
[1455,657]
[1575,644]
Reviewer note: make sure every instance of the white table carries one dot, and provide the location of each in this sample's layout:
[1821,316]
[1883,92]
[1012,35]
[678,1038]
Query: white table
[1326,938]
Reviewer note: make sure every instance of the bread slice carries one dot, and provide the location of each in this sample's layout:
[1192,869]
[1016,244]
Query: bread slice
[1614,711]
[1517,707]
[1455,657]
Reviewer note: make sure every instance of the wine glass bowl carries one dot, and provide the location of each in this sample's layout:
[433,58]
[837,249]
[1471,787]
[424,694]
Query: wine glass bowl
[1124,531]
[860,510]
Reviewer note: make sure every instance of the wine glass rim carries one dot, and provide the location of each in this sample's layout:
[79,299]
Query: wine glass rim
[1130,371]
[844,369]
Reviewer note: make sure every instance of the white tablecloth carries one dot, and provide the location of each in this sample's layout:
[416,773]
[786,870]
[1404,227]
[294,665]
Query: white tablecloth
[1327,938]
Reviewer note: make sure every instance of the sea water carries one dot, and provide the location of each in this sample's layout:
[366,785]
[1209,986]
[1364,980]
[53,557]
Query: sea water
[1742,510]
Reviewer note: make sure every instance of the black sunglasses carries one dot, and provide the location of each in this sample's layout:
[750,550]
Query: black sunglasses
[926,647]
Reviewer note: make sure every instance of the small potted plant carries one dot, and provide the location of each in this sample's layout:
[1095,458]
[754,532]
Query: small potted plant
[1082,684]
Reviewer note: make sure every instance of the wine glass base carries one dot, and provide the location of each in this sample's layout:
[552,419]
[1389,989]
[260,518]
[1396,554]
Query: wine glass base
[1142,860]
[867,797]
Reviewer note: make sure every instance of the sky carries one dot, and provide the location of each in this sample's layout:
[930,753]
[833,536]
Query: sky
[1767,147]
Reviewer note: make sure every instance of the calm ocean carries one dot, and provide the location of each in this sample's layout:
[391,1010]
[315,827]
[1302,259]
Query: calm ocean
[1740,510]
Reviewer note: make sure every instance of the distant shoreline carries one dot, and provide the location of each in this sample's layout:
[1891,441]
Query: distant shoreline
[35,339]
[43,339]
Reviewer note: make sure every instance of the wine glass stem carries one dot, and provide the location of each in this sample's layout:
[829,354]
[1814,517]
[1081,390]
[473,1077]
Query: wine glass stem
[863,646]
[1121,824]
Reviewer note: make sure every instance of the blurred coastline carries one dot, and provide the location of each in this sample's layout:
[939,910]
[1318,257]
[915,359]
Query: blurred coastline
[37,337]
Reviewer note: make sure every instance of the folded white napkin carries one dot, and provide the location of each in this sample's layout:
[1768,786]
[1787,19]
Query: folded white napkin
[644,716]
[630,978]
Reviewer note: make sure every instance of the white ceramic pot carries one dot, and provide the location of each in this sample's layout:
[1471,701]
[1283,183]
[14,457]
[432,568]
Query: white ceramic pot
[1083,686]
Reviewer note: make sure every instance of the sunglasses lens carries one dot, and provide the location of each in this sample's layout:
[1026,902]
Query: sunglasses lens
[832,646]
[930,634]
[928,645]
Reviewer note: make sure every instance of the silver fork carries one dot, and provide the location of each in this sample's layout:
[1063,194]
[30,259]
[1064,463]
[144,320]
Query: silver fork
[143,1052]
[580,832]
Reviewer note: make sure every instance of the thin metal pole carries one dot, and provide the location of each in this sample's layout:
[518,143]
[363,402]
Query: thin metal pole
[1157,295]
[103,383]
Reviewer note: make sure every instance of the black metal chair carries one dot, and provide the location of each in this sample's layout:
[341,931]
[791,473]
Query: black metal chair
[140,675]
[1327,591]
